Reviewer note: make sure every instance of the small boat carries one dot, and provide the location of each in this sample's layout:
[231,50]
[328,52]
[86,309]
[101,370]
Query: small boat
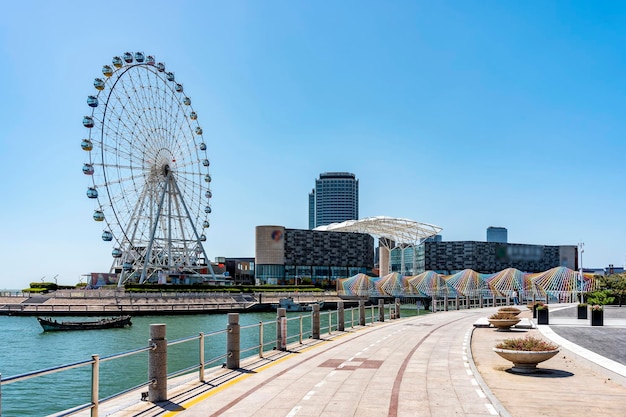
[49,325]
[290,305]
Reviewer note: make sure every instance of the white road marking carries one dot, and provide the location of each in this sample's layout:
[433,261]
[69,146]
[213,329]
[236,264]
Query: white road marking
[294,411]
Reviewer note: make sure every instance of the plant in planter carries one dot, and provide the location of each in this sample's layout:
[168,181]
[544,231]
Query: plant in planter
[598,299]
[543,316]
[510,310]
[597,315]
[526,352]
[503,321]
[582,310]
[534,306]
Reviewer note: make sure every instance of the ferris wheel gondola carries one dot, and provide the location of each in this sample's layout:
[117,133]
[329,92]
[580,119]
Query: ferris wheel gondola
[149,167]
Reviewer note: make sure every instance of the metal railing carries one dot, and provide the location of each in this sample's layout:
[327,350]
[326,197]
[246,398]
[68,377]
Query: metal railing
[299,327]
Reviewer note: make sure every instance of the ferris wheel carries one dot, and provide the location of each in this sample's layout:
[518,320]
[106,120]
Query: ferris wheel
[150,171]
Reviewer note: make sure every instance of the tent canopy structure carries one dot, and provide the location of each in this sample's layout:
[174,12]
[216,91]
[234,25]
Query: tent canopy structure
[552,284]
[395,229]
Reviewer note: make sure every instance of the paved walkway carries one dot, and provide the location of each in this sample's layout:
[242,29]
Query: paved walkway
[433,365]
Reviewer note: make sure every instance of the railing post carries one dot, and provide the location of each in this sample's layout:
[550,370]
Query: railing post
[157,364]
[381,310]
[397,308]
[95,385]
[361,312]
[201,349]
[330,322]
[260,339]
[281,329]
[480,300]
[352,317]
[301,322]
[0,394]
[315,321]
[341,325]
[233,347]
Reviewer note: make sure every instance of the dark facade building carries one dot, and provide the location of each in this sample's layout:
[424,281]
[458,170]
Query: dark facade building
[289,256]
[241,270]
[492,257]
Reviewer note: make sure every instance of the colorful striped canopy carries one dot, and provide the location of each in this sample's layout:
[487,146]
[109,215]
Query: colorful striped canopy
[552,283]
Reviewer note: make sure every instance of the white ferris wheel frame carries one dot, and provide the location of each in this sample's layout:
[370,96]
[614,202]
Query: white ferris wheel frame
[149,168]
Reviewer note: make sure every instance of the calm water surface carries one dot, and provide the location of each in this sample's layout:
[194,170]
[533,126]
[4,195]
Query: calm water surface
[24,347]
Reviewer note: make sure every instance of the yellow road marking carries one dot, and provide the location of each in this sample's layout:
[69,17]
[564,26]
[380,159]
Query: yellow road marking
[190,403]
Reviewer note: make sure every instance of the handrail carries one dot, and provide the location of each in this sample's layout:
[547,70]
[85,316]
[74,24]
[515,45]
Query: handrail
[260,345]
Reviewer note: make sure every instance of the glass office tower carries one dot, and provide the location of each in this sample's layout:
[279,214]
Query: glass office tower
[334,199]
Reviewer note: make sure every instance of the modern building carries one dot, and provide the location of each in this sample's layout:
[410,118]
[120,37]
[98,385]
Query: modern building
[497,234]
[334,199]
[241,270]
[484,257]
[289,256]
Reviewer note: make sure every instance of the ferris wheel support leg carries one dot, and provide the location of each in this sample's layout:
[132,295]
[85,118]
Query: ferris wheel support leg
[195,231]
[144,275]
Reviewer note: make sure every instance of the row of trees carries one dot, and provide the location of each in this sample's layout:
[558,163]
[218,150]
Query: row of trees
[610,288]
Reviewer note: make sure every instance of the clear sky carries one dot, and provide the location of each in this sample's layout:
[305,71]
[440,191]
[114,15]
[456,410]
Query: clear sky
[462,114]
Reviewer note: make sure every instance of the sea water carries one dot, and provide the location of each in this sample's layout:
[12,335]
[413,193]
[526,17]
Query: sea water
[24,347]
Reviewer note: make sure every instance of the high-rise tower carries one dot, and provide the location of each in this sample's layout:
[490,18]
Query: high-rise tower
[334,199]
[497,234]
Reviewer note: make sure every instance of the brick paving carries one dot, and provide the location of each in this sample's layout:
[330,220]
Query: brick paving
[432,365]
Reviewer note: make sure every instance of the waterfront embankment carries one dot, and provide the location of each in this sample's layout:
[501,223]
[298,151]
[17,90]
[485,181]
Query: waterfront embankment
[112,302]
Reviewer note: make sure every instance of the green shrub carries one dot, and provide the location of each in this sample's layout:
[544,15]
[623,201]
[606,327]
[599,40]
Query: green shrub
[528,343]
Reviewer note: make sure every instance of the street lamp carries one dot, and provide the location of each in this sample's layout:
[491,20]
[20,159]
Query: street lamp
[581,251]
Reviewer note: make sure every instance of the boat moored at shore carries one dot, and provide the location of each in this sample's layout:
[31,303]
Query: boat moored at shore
[49,324]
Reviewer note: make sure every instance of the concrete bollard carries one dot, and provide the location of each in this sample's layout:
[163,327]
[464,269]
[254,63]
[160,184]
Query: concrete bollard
[361,313]
[281,329]
[381,310]
[397,308]
[233,341]
[315,321]
[341,325]
[157,364]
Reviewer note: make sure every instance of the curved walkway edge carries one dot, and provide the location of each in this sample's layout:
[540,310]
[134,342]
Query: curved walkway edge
[436,365]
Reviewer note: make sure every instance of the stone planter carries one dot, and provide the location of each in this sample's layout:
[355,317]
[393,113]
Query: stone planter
[504,325]
[597,317]
[511,312]
[543,316]
[582,312]
[525,361]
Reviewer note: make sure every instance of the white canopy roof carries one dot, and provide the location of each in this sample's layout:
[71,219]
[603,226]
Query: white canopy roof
[399,230]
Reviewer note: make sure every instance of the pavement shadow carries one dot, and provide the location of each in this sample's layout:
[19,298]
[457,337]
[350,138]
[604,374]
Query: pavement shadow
[170,406]
[542,373]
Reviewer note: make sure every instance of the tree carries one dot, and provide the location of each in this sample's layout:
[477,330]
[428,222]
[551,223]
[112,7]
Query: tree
[615,284]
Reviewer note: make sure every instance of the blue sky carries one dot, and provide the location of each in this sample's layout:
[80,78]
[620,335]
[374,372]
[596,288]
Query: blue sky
[462,114]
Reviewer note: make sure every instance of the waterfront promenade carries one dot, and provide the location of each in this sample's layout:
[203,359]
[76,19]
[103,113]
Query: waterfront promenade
[433,365]
[112,303]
